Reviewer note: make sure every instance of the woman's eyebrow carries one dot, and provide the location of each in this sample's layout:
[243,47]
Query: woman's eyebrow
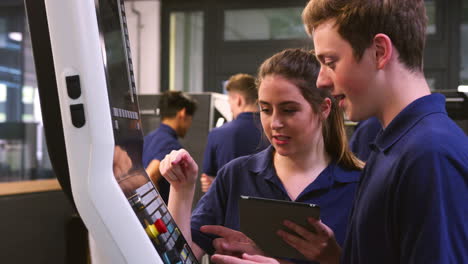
[281,104]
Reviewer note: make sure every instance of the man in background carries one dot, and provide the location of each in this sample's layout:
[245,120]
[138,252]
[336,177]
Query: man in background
[242,136]
[176,110]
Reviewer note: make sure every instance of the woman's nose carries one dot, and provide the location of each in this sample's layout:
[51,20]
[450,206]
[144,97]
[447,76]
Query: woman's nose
[276,122]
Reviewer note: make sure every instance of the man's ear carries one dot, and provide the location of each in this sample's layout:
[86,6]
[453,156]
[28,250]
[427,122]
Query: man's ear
[325,108]
[182,113]
[240,100]
[383,50]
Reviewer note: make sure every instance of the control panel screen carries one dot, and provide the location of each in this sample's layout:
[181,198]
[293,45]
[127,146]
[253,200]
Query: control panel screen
[128,170]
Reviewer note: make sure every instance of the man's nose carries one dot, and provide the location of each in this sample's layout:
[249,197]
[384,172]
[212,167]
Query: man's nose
[323,80]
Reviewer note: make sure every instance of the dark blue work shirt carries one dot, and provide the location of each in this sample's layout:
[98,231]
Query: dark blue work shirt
[363,136]
[156,146]
[255,175]
[412,202]
[242,136]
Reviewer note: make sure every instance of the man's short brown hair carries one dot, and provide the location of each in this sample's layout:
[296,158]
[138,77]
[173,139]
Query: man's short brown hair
[171,102]
[358,21]
[245,85]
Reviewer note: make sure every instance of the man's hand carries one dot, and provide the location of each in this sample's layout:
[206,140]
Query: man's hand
[153,171]
[122,163]
[246,259]
[320,246]
[231,242]
[206,182]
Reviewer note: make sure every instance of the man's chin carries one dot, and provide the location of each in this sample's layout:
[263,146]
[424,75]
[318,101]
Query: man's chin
[350,116]
[354,117]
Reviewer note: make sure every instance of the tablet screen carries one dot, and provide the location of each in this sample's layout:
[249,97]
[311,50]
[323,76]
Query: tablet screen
[260,219]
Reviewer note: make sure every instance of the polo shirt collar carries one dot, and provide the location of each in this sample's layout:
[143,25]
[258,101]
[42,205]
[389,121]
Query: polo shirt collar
[261,164]
[260,161]
[247,115]
[408,118]
[168,129]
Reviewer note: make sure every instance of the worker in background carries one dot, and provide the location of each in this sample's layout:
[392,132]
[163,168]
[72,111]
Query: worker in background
[176,110]
[240,137]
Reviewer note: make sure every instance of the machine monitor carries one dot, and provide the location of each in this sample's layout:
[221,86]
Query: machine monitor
[93,129]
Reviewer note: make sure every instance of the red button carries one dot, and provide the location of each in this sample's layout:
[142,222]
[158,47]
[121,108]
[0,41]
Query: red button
[160,226]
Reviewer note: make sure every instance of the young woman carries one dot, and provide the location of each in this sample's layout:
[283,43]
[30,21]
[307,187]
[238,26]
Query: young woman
[308,161]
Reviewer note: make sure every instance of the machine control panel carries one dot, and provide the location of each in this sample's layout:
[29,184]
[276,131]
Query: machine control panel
[160,227]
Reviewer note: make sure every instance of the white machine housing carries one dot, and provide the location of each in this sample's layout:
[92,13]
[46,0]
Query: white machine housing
[102,205]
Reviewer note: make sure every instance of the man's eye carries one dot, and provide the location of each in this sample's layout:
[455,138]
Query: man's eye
[264,110]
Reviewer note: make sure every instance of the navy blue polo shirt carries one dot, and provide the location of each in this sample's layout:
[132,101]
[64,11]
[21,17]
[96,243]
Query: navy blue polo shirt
[412,202]
[242,136]
[156,146]
[363,136]
[254,175]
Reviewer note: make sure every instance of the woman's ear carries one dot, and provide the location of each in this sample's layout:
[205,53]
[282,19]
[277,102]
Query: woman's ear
[383,50]
[325,108]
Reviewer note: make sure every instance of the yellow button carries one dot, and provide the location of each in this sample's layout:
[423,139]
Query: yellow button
[151,231]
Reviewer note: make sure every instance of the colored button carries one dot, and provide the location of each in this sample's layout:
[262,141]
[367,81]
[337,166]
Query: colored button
[166,258]
[152,231]
[183,254]
[160,226]
[170,227]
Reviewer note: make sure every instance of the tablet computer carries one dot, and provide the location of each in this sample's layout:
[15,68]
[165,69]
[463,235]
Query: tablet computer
[261,218]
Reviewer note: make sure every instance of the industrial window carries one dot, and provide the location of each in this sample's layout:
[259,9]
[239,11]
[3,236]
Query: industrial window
[186,51]
[264,24]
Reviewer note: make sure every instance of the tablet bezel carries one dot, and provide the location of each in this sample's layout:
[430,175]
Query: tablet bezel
[261,218]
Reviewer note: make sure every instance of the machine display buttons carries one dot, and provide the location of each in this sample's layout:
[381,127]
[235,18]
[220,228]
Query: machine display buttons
[73,86]
[157,215]
[152,231]
[160,226]
[136,203]
[77,115]
[144,189]
[170,227]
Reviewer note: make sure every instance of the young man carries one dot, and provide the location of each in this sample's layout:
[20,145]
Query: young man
[242,136]
[412,203]
[176,110]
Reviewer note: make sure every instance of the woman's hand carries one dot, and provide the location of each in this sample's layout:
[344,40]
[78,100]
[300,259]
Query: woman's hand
[231,242]
[179,169]
[246,259]
[320,246]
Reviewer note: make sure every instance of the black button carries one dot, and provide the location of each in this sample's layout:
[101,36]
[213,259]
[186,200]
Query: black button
[73,86]
[77,115]
[173,256]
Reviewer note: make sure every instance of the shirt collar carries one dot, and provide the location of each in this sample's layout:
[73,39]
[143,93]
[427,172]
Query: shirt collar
[248,115]
[408,118]
[168,129]
[262,164]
